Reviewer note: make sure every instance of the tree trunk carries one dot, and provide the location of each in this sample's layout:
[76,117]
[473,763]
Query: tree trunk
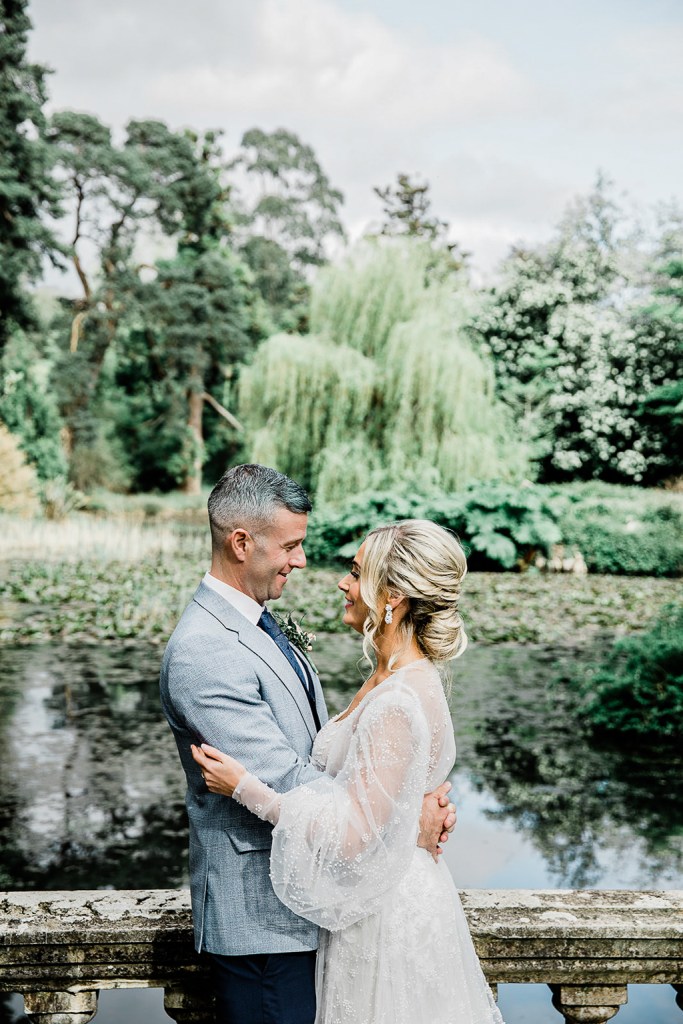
[193,480]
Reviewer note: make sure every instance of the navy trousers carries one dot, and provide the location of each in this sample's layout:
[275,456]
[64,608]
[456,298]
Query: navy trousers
[265,988]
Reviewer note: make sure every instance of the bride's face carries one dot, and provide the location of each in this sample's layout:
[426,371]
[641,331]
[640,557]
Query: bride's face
[355,609]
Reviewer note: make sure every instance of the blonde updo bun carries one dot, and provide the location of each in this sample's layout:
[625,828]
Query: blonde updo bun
[424,563]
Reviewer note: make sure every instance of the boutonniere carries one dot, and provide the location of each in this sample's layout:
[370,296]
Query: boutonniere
[297,636]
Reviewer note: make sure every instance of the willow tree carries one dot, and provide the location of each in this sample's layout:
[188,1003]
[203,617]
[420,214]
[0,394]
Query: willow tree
[301,396]
[359,301]
[388,389]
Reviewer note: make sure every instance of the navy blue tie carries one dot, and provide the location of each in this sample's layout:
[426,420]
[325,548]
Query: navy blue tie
[269,625]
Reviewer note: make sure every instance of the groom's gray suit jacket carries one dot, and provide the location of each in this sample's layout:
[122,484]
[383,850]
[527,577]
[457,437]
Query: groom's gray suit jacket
[224,682]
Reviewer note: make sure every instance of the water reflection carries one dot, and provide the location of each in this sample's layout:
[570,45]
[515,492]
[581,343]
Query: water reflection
[585,805]
[84,802]
[91,793]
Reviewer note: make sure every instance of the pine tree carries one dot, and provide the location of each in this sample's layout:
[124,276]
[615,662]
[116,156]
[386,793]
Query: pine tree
[27,192]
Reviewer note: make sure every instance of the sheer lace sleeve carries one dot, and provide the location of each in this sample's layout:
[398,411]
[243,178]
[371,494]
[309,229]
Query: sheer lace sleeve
[258,798]
[341,843]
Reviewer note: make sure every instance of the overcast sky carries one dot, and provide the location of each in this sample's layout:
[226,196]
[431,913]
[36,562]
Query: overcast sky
[507,107]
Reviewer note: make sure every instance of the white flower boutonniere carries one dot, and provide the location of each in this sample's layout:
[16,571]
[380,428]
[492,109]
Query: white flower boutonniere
[297,636]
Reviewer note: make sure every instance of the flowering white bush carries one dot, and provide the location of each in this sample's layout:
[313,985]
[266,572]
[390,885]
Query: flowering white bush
[579,343]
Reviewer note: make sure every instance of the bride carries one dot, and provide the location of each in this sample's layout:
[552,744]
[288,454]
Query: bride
[344,851]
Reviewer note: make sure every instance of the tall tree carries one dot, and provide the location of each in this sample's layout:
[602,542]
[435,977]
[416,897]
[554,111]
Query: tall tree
[27,193]
[661,411]
[192,322]
[283,288]
[157,180]
[28,405]
[105,190]
[407,211]
[406,208]
[289,199]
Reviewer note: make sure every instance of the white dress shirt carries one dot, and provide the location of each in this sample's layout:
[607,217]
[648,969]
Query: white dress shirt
[241,602]
[247,607]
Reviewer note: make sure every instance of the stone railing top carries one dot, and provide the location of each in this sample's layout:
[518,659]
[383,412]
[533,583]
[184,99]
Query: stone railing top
[103,937]
[575,913]
[60,948]
[133,915]
[27,917]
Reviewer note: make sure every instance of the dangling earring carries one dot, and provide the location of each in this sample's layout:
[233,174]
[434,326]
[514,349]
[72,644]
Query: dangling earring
[389,614]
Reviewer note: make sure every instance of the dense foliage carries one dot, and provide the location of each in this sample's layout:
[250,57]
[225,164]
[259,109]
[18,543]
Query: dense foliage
[28,405]
[18,485]
[27,193]
[616,530]
[638,688]
[497,523]
[125,593]
[406,209]
[294,204]
[388,387]
[623,530]
[580,345]
[200,326]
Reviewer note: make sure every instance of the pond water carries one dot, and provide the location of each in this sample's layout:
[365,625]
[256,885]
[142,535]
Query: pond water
[91,792]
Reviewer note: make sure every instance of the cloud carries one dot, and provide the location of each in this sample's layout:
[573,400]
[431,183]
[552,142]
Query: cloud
[490,203]
[285,59]
[504,135]
[309,58]
[644,92]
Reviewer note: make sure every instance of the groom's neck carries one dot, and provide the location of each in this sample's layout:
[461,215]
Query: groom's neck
[230,574]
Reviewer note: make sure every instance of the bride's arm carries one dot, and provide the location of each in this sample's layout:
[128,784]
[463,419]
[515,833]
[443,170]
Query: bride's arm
[341,843]
[381,757]
[224,775]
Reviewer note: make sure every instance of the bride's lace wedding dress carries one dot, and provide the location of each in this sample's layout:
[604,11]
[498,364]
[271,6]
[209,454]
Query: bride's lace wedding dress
[395,948]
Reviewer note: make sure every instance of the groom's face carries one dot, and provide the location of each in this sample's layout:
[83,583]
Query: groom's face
[275,551]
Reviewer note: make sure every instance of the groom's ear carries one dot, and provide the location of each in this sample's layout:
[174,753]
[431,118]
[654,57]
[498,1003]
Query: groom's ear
[237,543]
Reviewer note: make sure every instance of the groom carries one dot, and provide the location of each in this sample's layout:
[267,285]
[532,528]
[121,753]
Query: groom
[230,678]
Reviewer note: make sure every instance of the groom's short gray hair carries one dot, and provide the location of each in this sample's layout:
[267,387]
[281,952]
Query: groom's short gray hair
[248,496]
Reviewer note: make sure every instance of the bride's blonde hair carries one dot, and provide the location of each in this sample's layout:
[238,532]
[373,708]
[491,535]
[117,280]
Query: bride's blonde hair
[424,563]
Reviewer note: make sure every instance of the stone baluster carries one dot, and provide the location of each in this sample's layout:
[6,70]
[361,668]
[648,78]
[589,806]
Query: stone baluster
[588,1004]
[61,1007]
[679,996]
[187,1005]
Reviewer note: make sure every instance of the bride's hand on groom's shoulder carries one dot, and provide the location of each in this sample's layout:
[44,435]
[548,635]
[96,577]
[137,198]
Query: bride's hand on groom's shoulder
[220,772]
[437,820]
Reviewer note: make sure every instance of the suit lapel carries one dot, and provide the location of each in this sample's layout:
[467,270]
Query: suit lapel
[260,644]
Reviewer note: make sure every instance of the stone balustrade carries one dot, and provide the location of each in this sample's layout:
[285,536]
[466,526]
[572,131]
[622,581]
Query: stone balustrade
[59,949]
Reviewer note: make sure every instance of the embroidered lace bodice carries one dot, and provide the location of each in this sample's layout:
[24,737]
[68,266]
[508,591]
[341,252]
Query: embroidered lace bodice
[345,840]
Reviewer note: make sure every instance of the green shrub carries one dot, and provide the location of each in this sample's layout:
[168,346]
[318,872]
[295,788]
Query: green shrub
[623,531]
[60,498]
[498,524]
[639,686]
[618,530]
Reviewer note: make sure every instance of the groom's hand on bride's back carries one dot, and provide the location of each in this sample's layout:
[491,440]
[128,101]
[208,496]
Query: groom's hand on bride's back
[437,820]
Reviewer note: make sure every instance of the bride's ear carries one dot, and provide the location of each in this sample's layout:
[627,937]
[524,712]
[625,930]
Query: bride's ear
[396,602]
